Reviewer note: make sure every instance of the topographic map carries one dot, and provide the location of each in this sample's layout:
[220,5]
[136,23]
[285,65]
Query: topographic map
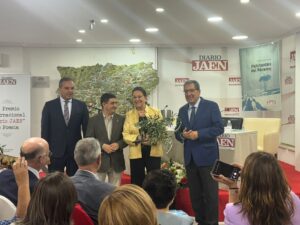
[92,81]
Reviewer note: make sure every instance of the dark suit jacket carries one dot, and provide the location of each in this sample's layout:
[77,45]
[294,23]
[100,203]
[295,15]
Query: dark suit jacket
[61,137]
[91,192]
[9,187]
[208,123]
[96,128]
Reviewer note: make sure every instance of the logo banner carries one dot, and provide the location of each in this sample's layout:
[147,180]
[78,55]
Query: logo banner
[14,112]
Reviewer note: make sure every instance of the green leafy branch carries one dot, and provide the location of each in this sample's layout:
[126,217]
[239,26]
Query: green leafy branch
[156,129]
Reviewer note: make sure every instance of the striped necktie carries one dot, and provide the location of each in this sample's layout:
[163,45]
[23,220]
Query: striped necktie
[66,112]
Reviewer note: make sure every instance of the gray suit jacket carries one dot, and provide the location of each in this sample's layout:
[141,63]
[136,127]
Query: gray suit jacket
[91,192]
[96,128]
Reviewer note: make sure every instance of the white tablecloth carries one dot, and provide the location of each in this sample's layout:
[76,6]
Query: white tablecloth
[245,143]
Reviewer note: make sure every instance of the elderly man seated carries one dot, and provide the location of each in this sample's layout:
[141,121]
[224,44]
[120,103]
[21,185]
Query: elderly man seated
[36,152]
[91,191]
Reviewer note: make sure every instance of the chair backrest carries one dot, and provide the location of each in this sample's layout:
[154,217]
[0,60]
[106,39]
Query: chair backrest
[236,122]
[80,217]
[8,209]
[263,126]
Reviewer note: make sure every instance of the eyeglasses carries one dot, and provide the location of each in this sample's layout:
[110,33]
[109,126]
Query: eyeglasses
[189,91]
[48,155]
[34,154]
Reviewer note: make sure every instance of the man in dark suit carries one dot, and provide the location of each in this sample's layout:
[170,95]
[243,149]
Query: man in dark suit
[200,124]
[90,190]
[107,127]
[36,151]
[64,119]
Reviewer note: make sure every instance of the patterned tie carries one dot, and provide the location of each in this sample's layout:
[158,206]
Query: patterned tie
[66,112]
[192,117]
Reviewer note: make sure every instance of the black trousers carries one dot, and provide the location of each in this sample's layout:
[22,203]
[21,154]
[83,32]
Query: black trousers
[137,166]
[59,164]
[204,193]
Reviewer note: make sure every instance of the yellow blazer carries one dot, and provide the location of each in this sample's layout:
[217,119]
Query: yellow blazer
[131,132]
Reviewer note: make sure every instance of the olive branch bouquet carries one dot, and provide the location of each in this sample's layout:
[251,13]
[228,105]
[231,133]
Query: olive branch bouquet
[155,128]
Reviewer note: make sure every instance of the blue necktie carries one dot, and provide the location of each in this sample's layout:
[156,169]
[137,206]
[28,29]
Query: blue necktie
[192,117]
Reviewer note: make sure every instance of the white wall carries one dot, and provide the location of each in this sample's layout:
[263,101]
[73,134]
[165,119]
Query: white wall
[44,61]
[297,105]
[177,63]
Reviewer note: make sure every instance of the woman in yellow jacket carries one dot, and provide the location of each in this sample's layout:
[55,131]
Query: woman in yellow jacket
[141,154]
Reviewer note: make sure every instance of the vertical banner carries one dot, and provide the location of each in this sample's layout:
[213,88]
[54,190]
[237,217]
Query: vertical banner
[260,73]
[288,77]
[14,112]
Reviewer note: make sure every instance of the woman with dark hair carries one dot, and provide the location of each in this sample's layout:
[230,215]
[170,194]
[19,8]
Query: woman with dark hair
[52,202]
[161,186]
[264,196]
[141,154]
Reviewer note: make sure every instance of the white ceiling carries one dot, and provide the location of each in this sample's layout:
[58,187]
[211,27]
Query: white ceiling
[184,22]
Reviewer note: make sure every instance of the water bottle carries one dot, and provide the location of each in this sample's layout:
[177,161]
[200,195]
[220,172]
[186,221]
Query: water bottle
[229,125]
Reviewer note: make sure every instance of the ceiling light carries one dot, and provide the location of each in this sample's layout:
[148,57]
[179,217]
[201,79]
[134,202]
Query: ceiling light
[78,40]
[151,29]
[81,31]
[159,10]
[215,19]
[240,37]
[104,20]
[135,40]
[298,14]
[244,1]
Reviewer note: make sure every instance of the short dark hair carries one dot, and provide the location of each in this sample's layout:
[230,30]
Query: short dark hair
[196,84]
[105,97]
[32,154]
[161,186]
[141,90]
[64,79]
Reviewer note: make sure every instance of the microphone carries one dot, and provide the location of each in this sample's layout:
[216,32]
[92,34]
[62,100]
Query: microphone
[163,111]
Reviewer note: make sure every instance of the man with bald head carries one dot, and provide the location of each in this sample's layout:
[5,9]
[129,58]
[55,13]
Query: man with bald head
[36,151]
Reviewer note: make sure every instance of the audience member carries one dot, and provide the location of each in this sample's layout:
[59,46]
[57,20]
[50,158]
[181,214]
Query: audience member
[107,127]
[20,170]
[127,205]
[141,154]
[90,190]
[161,186]
[52,201]
[264,197]
[36,151]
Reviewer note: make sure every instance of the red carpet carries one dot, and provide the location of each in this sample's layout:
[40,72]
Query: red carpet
[182,200]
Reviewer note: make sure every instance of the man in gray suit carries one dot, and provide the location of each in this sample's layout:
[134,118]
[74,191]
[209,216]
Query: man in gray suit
[90,190]
[107,127]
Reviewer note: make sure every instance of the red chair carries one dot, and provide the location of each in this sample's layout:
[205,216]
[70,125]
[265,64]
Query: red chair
[80,217]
